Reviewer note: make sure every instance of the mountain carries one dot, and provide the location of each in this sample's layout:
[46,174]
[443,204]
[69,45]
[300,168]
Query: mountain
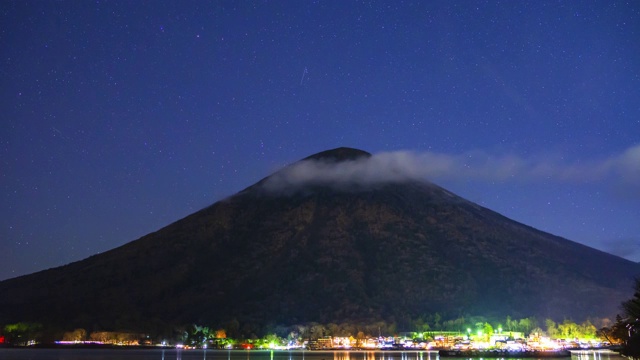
[310,243]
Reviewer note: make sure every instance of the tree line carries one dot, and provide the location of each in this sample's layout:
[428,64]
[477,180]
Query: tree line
[624,331]
[234,333]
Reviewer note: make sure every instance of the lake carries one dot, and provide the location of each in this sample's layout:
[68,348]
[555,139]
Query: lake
[180,354]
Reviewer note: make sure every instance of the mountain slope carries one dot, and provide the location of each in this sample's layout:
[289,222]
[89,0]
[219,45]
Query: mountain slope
[318,252]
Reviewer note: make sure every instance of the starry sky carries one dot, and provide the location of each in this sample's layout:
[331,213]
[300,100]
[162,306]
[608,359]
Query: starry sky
[120,117]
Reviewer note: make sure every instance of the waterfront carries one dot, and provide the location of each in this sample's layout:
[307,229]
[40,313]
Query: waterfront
[204,354]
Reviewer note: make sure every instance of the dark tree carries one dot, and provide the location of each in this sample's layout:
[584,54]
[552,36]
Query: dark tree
[616,334]
[631,309]
[22,333]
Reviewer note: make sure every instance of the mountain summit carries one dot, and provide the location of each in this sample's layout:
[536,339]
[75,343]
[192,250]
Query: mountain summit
[340,154]
[393,249]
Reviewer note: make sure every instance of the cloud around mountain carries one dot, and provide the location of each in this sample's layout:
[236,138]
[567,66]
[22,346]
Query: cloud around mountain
[620,170]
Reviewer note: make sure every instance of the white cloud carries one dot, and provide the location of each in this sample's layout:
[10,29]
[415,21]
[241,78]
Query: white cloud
[628,248]
[621,169]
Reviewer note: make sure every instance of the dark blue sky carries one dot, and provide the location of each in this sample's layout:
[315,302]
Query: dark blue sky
[121,117]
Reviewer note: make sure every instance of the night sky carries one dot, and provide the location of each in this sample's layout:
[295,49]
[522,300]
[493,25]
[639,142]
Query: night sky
[118,118]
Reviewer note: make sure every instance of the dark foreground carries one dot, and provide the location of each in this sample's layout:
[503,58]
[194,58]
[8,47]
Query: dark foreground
[180,354]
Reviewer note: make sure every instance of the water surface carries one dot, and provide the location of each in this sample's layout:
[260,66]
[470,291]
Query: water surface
[179,354]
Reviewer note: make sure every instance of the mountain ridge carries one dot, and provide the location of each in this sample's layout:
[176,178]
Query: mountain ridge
[393,251]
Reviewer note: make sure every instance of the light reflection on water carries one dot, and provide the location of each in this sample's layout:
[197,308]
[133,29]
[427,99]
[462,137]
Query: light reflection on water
[383,355]
[595,355]
[180,354]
